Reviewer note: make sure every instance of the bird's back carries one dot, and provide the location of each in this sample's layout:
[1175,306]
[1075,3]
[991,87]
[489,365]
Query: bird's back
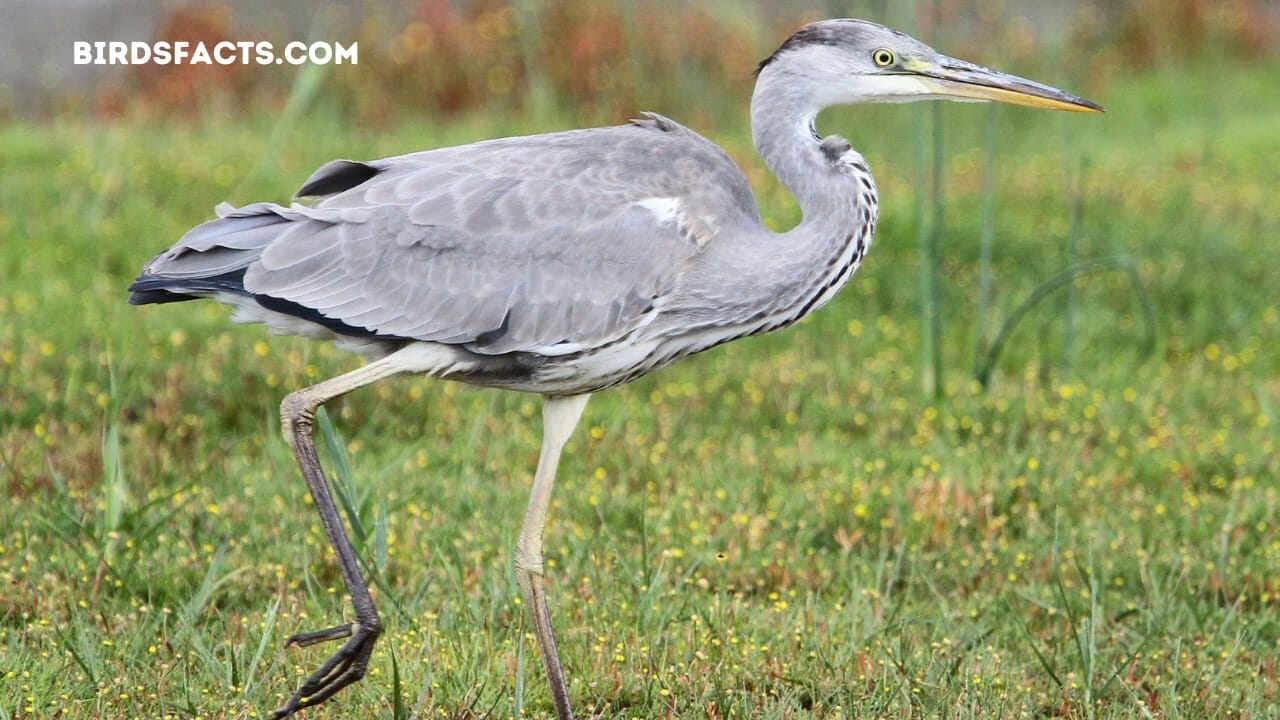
[528,252]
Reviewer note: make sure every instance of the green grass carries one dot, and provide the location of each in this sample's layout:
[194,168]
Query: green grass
[785,527]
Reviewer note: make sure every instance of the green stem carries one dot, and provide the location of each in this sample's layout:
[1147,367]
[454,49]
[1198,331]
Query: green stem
[1074,210]
[933,259]
[1057,282]
[986,238]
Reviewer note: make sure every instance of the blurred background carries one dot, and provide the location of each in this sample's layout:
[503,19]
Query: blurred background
[435,58]
[1023,466]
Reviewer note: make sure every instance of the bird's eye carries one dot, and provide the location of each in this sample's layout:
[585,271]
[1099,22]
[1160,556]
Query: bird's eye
[883,57]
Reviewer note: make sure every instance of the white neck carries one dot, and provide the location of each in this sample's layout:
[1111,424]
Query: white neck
[828,179]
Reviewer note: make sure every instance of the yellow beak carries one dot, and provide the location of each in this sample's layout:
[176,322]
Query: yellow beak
[960,80]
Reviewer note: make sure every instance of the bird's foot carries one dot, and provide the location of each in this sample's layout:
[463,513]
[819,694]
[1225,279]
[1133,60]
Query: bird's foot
[346,666]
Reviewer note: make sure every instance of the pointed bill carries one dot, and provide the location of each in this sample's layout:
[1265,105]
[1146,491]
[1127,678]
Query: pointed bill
[961,80]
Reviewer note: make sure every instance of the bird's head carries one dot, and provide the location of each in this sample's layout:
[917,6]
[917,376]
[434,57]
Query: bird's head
[852,61]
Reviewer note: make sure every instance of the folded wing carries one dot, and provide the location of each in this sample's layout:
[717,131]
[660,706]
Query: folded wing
[547,244]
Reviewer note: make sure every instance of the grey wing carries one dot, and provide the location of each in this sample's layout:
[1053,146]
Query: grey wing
[547,244]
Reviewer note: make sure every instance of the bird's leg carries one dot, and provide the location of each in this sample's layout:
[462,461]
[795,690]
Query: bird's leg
[348,664]
[559,417]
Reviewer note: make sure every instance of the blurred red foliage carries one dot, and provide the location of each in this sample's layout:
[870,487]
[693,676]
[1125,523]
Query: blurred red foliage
[180,88]
[610,59]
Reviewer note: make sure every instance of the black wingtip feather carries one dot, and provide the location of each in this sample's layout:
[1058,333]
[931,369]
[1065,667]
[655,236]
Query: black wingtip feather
[337,176]
[156,297]
[152,290]
[312,315]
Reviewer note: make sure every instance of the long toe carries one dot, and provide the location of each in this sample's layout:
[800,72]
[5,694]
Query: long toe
[336,632]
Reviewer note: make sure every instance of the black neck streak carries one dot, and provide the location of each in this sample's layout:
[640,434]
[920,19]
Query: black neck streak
[834,148]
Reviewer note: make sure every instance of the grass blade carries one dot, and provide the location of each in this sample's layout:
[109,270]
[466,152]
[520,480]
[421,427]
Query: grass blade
[1035,646]
[1057,282]
[344,482]
[251,680]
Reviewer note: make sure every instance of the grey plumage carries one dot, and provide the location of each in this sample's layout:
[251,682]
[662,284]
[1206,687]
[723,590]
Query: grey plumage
[562,264]
[551,248]
[537,244]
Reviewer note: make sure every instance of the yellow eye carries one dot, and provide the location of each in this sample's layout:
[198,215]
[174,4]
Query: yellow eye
[883,57]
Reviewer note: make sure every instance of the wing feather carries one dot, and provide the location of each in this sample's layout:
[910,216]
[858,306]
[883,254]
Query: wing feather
[545,243]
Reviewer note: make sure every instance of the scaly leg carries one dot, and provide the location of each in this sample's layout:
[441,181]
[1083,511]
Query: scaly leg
[348,664]
[560,416]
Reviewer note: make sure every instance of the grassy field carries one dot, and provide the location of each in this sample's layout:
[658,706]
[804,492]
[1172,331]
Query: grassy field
[787,527]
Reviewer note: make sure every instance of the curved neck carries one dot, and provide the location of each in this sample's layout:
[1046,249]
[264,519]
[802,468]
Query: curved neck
[835,191]
[783,113]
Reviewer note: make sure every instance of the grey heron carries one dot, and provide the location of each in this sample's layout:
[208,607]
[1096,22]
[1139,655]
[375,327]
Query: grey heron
[561,264]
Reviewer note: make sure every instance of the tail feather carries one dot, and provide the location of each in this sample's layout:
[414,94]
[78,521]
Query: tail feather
[211,261]
[211,257]
[151,289]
